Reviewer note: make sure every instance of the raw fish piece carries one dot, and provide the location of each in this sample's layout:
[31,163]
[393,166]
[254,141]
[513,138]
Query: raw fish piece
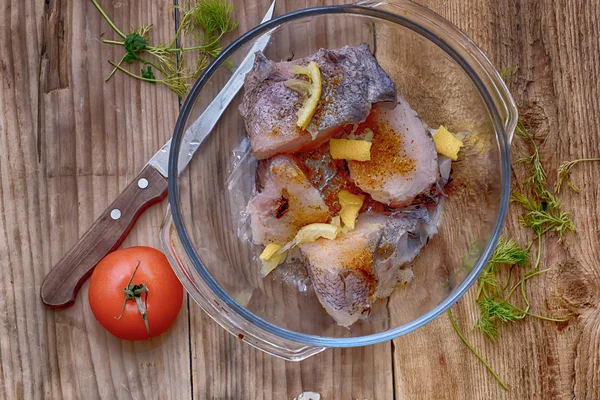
[403,157]
[352,82]
[342,271]
[398,246]
[362,265]
[286,202]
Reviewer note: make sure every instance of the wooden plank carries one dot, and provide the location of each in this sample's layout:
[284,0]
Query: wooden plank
[223,366]
[70,144]
[555,88]
[535,357]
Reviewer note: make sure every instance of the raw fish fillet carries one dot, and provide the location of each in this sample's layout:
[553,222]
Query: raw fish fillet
[351,272]
[403,161]
[352,82]
[286,202]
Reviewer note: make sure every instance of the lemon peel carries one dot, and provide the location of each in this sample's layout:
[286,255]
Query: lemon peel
[346,149]
[351,205]
[313,88]
[446,143]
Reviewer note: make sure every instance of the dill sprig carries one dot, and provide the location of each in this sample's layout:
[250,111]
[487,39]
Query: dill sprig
[494,310]
[543,221]
[543,210]
[564,172]
[543,213]
[474,351]
[175,82]
[494,298]
[509,252]
[538,175]
[494,307]
[206,21]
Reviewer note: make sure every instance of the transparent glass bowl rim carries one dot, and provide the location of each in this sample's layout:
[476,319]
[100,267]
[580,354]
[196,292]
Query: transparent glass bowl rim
[503,142]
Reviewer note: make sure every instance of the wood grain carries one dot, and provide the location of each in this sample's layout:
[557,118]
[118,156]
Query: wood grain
[227,368]
[550,44]
[224,367]
[69,143]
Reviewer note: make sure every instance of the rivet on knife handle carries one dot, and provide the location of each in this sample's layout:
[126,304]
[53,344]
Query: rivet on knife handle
[62,283]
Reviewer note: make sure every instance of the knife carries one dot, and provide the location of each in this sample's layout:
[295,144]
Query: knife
[149,187]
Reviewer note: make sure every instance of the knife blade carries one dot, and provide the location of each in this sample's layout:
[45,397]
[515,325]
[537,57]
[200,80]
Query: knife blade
[61,285]
[201,128]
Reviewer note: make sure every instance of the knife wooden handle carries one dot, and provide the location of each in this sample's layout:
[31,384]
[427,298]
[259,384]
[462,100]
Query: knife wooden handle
[62,283]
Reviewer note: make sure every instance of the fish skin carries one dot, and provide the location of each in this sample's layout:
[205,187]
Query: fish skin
[286,202]
[351,272]
[352,82]
[341,271]
[392,266]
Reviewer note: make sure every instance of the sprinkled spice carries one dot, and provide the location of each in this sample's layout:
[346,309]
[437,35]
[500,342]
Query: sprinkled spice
[282,204]
[301,132]
[331,81]
[385,250]
[328,175]
[387,156]
[288,208]
[332,176]
[287,173]
[360,261]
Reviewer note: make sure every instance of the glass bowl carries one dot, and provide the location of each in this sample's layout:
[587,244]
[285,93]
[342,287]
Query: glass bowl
[444,77]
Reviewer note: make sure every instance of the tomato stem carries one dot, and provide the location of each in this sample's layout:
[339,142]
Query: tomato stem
[134,292]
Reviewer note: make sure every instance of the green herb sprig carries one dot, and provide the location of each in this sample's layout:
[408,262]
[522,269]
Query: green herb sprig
[543,210]
[494,306]
[564,172]
[474,351]
[206,21]
[543,214]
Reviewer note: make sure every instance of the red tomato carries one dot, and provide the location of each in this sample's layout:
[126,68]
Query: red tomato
[162,300]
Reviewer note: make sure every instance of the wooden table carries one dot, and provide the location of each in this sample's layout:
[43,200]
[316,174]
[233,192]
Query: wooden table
[70,142]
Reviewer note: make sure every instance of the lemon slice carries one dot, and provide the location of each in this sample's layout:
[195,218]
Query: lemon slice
[310,233]
[446,143]
[346,149]
[351,205]
[269,251]
[274,254]
[269,259]
[298,86]
[272,263]
[309,106]
[337,221]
